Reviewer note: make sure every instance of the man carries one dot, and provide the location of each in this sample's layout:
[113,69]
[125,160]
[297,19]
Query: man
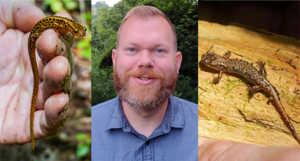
[145,122]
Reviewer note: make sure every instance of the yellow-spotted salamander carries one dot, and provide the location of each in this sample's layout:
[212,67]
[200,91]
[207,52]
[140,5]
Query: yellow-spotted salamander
[52,22]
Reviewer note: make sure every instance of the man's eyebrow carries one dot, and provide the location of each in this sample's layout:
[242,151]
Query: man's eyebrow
[152,46]
[132,44]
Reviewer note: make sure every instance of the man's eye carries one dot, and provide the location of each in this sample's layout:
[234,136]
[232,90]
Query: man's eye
[160,51]
[131,49]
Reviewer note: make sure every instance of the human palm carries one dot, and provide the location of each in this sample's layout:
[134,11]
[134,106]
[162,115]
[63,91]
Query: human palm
[16,78]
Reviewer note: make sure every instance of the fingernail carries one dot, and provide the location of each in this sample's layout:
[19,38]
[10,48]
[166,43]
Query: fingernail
[59,47]
[67,78]
[64,109]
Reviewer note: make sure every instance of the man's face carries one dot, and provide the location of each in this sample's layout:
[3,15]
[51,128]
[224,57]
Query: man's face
[145,63]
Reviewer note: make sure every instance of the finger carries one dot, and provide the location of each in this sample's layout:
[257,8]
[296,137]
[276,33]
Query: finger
[220,150]
[67,35]
[48,46]
[203,140]
[56,78]
[52,118]
[25,15]
[233,151]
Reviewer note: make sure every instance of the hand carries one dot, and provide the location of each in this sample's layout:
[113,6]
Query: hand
[224,150]
[16,77]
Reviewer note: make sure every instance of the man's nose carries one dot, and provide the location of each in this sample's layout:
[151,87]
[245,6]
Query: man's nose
[145,59]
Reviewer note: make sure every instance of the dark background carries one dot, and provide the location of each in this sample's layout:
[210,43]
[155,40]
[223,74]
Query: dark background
[279,17]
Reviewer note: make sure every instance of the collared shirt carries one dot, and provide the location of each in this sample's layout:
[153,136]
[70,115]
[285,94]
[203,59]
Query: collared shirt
[114,139]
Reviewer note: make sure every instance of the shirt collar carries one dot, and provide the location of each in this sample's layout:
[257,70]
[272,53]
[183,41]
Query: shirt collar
[174,117]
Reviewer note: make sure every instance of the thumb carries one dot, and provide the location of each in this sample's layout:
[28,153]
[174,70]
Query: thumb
[22,15]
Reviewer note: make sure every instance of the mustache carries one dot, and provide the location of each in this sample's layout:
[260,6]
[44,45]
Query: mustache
[140,73]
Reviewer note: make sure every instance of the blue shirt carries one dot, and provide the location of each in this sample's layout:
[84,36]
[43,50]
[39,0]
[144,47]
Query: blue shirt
[114,139]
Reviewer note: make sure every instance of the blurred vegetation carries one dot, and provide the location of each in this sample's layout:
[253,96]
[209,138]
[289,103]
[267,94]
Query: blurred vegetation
[57,5]
[105,24]
[84,145]
[85,46]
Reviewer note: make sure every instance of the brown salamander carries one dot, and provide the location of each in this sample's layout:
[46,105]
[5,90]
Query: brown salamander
[52,22]
[251,74]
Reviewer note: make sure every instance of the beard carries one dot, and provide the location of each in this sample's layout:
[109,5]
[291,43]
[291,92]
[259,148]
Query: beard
[144,97]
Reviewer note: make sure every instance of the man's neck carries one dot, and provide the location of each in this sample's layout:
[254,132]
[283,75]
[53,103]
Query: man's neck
[145,122]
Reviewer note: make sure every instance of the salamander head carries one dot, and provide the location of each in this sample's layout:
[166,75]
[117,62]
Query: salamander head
[213,60]
[79,30]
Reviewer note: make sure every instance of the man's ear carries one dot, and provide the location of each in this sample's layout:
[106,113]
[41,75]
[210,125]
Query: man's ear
[178,60]
[113,56]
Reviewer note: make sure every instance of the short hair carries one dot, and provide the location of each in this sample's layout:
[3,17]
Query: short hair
[145,12]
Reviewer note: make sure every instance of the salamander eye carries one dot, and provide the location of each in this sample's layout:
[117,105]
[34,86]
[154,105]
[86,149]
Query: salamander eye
[84,28]
[75,30]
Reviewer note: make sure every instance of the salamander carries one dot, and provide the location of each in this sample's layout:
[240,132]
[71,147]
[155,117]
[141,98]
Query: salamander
[256,77]
[56,23]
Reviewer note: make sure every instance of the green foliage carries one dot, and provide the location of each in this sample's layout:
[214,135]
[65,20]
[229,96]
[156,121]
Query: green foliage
[87,16]
[100,4]
[95,9]
[88,111]
[70,4]
[85,45]
[58,5]
[84,145]
[102,84]
[55,5]
[105,24]
[184,89]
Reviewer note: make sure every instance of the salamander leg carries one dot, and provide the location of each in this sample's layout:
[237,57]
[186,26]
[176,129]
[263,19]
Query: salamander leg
[252,90]
[211,47]
[227,54]
[270,100]
[34,37]
[261,67]
[58,33]
[217,79]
